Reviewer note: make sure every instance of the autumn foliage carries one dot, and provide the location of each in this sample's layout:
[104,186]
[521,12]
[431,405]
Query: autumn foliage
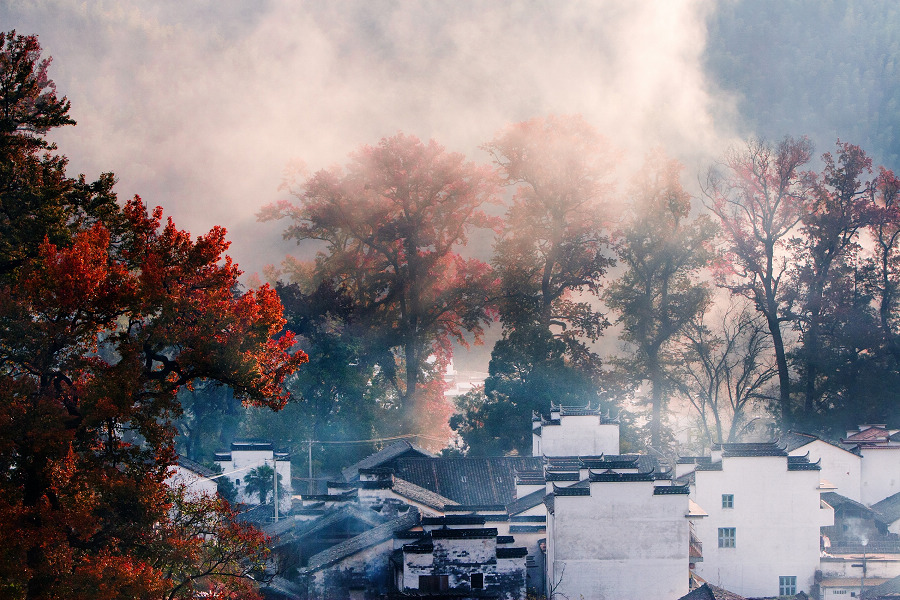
[392,224]
[103,318]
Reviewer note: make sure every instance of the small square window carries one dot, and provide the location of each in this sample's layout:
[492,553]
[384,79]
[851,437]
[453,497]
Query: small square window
[477,581]
[727,500]
[787,585]
[727,537]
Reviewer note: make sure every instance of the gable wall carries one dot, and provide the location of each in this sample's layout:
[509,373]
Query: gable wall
[607,544]
[776,515]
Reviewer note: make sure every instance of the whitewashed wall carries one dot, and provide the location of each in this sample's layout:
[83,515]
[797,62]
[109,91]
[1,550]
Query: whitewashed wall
[577,436]
[620,542]
[776,516]
[840,467]
[880,473]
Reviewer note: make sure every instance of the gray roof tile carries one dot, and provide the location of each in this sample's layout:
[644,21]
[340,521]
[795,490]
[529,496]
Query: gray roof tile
[374,536]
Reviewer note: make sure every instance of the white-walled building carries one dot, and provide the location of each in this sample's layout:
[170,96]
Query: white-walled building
[569,431]
[838,466]
[196,479]
[620,533]
[247,455]
[761,535]
[880,461]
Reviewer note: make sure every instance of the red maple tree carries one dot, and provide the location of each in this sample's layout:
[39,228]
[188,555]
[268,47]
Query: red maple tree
[102,319]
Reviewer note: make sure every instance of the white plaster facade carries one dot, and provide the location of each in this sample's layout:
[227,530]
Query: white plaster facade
[574,432]
[774,514]
[880,475]
[622,541]
[194,483]
[246,456]
[838,466]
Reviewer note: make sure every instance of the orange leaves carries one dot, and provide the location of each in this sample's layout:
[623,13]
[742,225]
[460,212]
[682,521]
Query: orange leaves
[96,337]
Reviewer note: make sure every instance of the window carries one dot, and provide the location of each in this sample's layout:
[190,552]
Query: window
[477,581]
[727,500]
[787,585]
[434,583]
[726,537]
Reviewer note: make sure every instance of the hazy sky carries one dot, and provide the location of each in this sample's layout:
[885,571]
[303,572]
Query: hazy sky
[198,106]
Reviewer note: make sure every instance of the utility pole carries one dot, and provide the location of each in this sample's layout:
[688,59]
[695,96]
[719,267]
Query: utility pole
[275,484]
[309,485]
[862,579]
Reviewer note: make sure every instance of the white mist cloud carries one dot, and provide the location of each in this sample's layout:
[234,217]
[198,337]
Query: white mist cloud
[197,106]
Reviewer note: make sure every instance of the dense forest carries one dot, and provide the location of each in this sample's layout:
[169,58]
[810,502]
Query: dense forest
[768,298]
[765,301]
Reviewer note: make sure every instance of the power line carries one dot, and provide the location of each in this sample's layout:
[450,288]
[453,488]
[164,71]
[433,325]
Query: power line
[384,439]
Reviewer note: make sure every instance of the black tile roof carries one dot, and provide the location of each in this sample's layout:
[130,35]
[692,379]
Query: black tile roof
[192,465]
[842,503]
[251,445]
[889,508]
[376,535]
[454,520]
[803,465]
[611,462]
[752,449]
[342,497]
[888,589]
[529,519]
[334,515]
[530,478]
[468,481]
[512,552]
[710,466]
[710,592]
[481,533]
[562,476]
[665,490]
[476,508]
[562,462]
[526,502]
[571,491]
[613,477]
[416,493]
[390,453]
[581,411]
[528,528]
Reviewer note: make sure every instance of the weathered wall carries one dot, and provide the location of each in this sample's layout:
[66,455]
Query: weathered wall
[607,544]
[365,574]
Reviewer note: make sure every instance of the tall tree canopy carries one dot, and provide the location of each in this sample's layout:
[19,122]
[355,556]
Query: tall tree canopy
[392,224]
[552,254]
[658,294]
[759,196]
[105,312]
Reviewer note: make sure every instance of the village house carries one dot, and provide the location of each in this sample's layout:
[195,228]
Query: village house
[751,520]
[761,537]
[879,450]
[197,479]
[246,455]
[458,555]
[573,431]
[622,532]
[839,467]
